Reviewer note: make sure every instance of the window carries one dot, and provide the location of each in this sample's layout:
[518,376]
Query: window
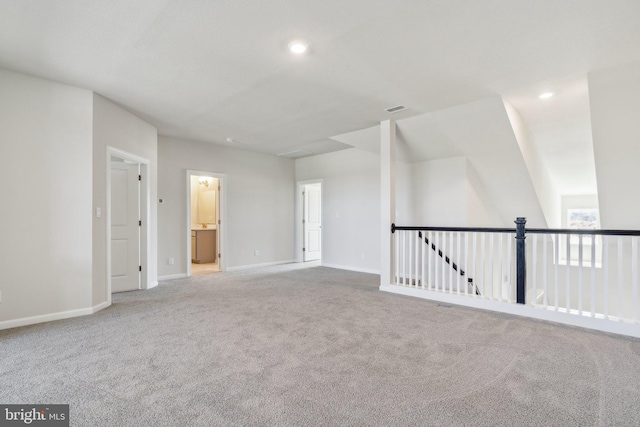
[581,219]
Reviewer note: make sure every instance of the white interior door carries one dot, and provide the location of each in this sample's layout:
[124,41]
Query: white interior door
[312,222]
[125,228]
[218,223]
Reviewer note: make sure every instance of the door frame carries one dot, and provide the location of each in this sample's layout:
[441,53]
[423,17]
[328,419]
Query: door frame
[299,217]
[221,228]
[145,214]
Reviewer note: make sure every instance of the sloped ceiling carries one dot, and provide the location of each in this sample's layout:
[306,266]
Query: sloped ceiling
[481,132]
[211,70]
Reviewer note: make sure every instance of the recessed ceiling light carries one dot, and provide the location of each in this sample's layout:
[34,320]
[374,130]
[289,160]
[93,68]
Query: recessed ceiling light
[546,95]
[298,47]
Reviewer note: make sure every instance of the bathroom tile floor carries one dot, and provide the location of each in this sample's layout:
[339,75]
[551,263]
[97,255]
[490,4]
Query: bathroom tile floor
[205,268]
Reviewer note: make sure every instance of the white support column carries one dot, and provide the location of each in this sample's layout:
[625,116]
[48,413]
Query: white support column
[387,199]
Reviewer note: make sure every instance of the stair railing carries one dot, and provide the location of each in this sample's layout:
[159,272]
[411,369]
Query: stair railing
[592,273]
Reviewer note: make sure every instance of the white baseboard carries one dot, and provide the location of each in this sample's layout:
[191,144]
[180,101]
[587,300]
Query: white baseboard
[171,277]
[102,305]
[604,325]
[26,321]
[265,264]
[346,267]
[152,285]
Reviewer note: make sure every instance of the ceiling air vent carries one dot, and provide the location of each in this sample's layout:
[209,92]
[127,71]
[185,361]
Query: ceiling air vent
[395,109]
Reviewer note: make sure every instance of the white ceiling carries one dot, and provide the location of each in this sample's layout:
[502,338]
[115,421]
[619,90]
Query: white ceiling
[208,70]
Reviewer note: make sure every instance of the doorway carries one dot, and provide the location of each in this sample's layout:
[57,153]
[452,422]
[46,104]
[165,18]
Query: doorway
[205,211]
[128,190]
[125,225]
[310,224]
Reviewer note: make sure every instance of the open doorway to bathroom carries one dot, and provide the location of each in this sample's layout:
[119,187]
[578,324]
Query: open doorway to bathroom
[205,222]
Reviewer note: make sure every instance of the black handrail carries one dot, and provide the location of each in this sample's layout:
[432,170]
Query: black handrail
[583,231]
[477,230]
[513,230]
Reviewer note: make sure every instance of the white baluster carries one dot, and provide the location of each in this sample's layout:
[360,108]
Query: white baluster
[545,264]
[451,263]
[418,258]
[410,258]
[443,262]
[445,270]
[556,273]
[491,254]
[458,263]
[465,278]
[501,280]
[534,275]
[397,251]
[482,262]
[605,263]
[634,276]
[593,275]
[509,291]
[580,274]
[568,275]
[475,259]
[620,313]
[430,257]
[404,257]
[436,260]
[423,261]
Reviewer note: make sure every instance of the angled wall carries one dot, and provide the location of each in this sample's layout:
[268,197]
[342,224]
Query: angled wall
[545,188]
[615,112]
[482,132]
[469,169]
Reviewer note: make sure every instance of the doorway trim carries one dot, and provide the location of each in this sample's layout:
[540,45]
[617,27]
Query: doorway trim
[299,217]
[221,227]
[145,215]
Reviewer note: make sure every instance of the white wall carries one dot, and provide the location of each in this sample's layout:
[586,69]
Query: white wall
[116,127]
[45,249]
[351,206]
[404,194]
[481,212]
[615,112]
[449,193]
[194,201]
[259,196]
[440,192]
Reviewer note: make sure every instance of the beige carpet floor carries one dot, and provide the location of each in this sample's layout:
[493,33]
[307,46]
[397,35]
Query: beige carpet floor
[296,346]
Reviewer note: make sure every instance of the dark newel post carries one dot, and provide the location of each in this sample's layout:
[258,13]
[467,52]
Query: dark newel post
[521,263]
